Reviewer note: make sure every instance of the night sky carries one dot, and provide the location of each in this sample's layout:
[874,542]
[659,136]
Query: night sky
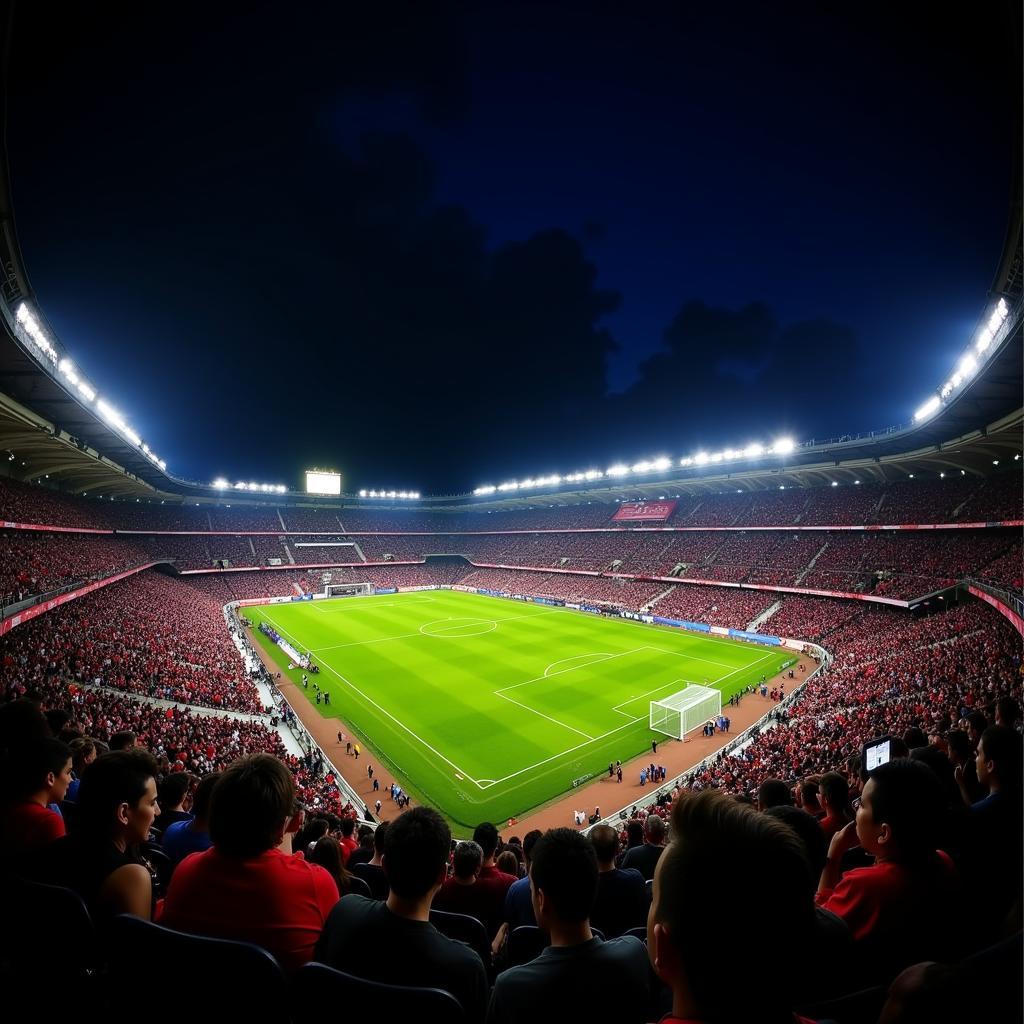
[439,246]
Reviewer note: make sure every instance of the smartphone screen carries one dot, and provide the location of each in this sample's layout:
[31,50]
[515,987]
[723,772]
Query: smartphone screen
[876,754]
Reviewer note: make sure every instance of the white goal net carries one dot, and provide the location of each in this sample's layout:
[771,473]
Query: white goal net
[678,714]
[347,589]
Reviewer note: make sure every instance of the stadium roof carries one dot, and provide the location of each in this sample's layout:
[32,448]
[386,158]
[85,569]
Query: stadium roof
[49,432]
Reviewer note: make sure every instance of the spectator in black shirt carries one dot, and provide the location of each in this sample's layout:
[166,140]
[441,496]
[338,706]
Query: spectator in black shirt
[645,858]
[620,903]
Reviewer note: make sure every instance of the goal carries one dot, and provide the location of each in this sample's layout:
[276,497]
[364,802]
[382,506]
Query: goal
[347,589]
[677,714]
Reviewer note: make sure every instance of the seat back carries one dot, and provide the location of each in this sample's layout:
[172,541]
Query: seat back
[232,980]
[463,928]
[323,990]
[526,943]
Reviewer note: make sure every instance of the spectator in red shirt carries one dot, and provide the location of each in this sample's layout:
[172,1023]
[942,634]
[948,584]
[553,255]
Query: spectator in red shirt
[348,841]
[490,878]
[899,908]
[41,774]
[249,886]
[461,894]
[834,792]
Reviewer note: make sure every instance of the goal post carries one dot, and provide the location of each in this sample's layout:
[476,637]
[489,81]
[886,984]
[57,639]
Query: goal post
[347,589]
[677,714]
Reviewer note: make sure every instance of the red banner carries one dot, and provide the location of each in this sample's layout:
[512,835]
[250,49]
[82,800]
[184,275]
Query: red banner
[648,511]
[1007,613]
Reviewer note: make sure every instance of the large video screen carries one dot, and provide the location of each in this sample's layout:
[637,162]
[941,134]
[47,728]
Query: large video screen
[322,483]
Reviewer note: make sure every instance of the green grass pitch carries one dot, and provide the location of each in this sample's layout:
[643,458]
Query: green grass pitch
[486,708]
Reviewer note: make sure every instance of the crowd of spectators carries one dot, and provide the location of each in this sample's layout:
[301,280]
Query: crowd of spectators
[33,563]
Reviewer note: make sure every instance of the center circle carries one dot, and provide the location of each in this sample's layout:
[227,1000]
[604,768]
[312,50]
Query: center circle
[458,627]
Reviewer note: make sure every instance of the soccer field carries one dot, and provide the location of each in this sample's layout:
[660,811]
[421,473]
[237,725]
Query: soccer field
[486,708]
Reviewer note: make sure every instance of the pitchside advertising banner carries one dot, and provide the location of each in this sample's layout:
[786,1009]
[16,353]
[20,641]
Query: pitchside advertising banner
[648,511]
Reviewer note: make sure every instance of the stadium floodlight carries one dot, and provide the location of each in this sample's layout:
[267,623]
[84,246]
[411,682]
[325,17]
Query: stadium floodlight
[716,457]
[984,339]
[968,365]
[753,451]
[686,462]
[835,484]
[928,409]
[86,392]
[220,483]
[784,446]
[702,458]
[593,474]
[617,470]
[661,463]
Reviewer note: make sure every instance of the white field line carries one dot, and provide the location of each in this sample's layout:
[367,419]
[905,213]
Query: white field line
[384,711]
[408,636]
[601,655]
[526,707]
[750,664]
[575,668]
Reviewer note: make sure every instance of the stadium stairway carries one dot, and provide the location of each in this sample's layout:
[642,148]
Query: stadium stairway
[752,627]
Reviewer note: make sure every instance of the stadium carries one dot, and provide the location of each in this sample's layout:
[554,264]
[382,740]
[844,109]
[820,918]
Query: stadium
[596,650]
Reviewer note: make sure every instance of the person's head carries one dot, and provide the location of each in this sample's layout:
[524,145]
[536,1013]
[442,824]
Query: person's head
[654,830]
[467,860]
[365,836]
[835,794]
[900,812]
[57,719]
[634,832]
[605,841]
[773,793]
[529,842]
[173,789]
[251,806]
[348,827]
[1007,711]
[508,862]
[124,740]
[83,752]
[42,769]
[201,799]
[808,793]
[416,853]
[977,723]
[117,796]
[999,758]
[326,852]
[563,878]
[914,737]
[379,835]
[487,836]
[810,835]
[959,744]
[692,919]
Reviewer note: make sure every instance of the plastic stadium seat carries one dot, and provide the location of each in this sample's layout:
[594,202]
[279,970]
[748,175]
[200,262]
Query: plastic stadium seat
[33,916]
[638,933]
[322,990]
[464,928]
[230,980]
[525,943]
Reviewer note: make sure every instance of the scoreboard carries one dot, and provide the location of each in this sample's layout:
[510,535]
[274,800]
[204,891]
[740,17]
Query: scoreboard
[319,482]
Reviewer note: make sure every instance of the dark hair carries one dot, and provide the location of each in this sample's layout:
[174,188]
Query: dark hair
[530,841]
[1002,745]
[252,798]
[416,852]
[809,790]
[37,760]
[508,862]
[487,836]
[605,841]
[978,721]
[716,837]
[914,737]
[907,797]
[120,777]
[467,858]
[326,852]
[380,837]
[809,833]
[1007,710]
[348,826]
[564,868]
[634,832]
[774,793]
[172,789]
[836,790]
[959,743]
[124,740]
[203,793]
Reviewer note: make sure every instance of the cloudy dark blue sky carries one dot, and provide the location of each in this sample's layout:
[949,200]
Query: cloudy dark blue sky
[431,248]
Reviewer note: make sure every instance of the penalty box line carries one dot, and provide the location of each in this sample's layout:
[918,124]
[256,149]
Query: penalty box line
[384,711]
